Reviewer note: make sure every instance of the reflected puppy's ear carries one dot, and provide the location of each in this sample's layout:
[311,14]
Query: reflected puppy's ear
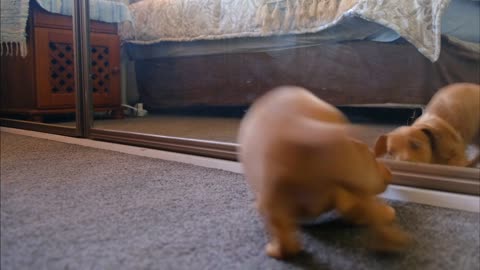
[381,145]
[432,137]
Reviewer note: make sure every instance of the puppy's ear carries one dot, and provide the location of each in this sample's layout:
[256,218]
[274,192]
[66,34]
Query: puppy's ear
[432,138]
[381,145]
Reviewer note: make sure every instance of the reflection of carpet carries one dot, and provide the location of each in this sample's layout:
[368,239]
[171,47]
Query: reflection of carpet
[222,129]
[71,207]
[206,128]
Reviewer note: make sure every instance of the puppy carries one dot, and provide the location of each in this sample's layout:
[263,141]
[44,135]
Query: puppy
[300,162]
[450,122]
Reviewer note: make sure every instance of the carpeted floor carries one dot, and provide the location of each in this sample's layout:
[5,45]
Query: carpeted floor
[70,207]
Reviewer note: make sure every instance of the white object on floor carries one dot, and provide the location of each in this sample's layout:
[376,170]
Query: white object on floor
[138,109]
[402,193]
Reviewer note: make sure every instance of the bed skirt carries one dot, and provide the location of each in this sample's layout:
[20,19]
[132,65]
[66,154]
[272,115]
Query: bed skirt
[356,72]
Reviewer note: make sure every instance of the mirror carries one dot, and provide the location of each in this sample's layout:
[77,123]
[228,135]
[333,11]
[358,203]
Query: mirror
[192,72]
[38,67]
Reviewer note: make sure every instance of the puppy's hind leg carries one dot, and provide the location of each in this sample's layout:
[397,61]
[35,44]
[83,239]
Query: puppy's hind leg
[281,224]
[284,240]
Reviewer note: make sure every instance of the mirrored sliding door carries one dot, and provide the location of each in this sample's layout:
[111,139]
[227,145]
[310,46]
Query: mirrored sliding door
[181,77]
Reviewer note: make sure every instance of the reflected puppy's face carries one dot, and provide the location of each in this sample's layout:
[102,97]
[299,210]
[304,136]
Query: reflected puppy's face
[406,144]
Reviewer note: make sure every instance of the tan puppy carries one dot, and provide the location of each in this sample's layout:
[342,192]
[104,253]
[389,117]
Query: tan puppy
[450,122]
[300,162]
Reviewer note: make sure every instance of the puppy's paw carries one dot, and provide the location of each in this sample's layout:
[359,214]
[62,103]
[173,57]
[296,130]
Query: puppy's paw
[390,239]
[380,213]
[388,213]
[275,250]
[459,160]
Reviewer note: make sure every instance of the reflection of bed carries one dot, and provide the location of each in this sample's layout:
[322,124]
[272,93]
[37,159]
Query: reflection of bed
[349,61]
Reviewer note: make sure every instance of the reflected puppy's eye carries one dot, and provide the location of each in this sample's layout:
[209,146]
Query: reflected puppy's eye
[415,145]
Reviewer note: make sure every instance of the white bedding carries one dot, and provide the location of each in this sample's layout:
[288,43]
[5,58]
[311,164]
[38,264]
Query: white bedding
[418,21]
[111,11]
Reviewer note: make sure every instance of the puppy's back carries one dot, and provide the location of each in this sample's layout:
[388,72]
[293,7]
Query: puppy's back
[459,105]
[281,110]
[280,127]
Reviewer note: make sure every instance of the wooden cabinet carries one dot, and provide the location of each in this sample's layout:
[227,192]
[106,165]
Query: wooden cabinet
[43,82]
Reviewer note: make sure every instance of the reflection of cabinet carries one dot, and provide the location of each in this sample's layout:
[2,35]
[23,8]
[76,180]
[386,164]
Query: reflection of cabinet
[43,82]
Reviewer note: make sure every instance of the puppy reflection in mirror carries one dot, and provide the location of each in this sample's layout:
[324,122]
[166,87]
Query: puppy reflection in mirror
[441,135]
[300,162]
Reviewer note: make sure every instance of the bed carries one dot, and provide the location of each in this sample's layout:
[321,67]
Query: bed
[226,53]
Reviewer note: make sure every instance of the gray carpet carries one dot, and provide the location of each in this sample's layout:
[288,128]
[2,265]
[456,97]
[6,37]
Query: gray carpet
[70,207]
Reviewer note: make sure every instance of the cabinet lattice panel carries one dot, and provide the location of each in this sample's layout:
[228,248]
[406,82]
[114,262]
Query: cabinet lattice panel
[62,68]
[100,69]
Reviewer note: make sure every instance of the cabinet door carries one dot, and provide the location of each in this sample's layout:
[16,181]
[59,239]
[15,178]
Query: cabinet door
[55,69]
[105,55]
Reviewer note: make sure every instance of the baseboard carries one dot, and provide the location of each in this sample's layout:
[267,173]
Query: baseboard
[394,192]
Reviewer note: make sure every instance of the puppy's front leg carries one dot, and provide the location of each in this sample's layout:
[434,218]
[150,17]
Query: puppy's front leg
[388,236]
[460,160]
[377,215]
[358,209]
